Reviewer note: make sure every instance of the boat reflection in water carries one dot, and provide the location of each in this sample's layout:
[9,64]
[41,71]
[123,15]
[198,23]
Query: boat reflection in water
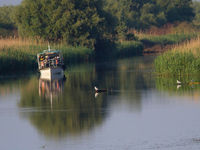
[51,89]
[60,109]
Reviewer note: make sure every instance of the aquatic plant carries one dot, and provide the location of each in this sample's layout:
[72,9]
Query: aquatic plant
[182,59]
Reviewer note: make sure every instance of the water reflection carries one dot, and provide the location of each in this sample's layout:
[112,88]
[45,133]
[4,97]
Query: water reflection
[11,85]
[187,88]
[61,108]
[133,114]
[51,89]
[70,108]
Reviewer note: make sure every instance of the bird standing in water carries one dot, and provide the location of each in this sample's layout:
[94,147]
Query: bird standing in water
[178,82]
[99,90]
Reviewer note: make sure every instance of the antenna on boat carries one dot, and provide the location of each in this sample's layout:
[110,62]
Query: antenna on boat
[49,47]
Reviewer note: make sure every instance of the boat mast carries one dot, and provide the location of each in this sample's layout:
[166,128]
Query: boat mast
[49,47]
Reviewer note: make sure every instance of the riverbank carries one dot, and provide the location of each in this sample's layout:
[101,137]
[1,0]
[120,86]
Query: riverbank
[161,39]
[21,55]
[161,43]
[18,55]
[182,60]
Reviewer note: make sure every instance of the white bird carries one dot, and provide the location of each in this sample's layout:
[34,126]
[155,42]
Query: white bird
[96,89]
[178,82]
[99,90]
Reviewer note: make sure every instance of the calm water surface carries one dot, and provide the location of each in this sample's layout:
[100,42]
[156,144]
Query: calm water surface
[140,111]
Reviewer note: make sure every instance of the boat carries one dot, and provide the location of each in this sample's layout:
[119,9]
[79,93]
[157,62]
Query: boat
[50,64]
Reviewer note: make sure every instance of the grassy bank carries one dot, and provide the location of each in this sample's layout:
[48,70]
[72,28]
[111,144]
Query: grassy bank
[151,40]
[161,39]
[20,54]
[129,48]
[183,59]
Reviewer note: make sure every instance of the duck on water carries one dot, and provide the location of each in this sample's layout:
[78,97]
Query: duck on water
[99,90]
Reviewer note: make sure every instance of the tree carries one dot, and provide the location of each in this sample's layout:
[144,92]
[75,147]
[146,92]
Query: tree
[74,21]
[177,10]
[142,14]
[6,17]
[151,14]
[196,7]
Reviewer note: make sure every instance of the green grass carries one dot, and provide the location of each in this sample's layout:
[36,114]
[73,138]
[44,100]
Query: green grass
[20,59]
[177,63]
[129,48]
[167,39]
[20,55]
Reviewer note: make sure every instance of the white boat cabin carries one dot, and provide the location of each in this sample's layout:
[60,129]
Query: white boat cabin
[51,65]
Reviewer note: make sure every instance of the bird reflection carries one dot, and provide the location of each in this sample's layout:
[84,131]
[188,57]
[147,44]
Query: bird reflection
[178,86]
[96,95]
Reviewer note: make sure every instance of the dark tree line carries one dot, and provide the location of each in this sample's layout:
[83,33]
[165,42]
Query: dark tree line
[6,17]
[74,21]
[142,14]
[91,22]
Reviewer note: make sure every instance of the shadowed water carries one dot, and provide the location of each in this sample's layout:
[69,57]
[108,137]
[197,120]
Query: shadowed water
[138,111]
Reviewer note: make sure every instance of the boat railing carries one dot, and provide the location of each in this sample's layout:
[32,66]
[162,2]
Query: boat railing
[53,63]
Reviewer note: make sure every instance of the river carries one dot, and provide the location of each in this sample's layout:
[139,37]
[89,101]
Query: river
[139,111]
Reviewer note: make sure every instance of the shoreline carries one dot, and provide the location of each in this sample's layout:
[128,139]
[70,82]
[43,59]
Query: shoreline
[16,59]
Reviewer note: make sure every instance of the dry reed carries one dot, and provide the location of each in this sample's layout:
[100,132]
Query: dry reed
[19,43]
[188,46]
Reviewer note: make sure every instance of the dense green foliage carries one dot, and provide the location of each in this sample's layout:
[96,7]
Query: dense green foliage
[177,63]
[92,22]
[7,24]
[196,6]
[102,25]
[74,21]
[144,13]
[6,17]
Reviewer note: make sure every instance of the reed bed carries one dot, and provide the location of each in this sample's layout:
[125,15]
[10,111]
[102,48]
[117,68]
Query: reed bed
[18,54]
[20,43]
[183,59]
[192,46]
[167,29]
[167,39]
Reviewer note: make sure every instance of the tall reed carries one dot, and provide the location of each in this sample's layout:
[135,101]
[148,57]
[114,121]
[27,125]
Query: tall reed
[182,59]
[18,54]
